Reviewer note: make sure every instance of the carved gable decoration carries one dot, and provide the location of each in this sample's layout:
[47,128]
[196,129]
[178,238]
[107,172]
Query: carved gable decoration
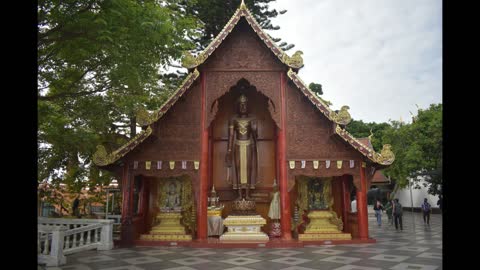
[243,50]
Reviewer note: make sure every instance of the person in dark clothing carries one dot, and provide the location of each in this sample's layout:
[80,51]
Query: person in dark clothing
[397,214]
[75,205]
[426,209]
[439,202]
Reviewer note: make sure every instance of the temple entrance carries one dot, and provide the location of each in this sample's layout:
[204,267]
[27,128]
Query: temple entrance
[230,183]
[171,210]
[319,204]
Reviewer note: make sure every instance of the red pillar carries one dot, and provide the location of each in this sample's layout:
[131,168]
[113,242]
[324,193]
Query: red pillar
[285,220]
[203,187]
[127,215]
[362,206]
[346,201]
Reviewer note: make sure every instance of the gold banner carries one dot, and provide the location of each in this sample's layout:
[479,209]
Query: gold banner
[315,164]
[148,164]
[196,164]
[339,164]
[172,164]
[364,164]
[292,164]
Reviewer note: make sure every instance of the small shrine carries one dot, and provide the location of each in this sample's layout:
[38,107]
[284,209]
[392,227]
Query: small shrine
[244,151]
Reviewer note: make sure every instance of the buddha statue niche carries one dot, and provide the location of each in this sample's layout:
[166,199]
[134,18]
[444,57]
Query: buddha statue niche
[172,201]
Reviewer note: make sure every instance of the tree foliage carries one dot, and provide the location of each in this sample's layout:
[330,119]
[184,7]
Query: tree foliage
[359,129]
[418,149]
[216,13]
[98,61]
[316,88]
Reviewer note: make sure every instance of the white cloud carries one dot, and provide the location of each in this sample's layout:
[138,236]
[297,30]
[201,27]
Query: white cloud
[380,57]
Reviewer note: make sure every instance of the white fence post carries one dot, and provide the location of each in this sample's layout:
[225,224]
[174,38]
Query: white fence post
[57,247]
[106,236]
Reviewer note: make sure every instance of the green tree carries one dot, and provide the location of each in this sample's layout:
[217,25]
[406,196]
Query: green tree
[359,129]
[98,62]
[215,14]
[418,149]
[316,88]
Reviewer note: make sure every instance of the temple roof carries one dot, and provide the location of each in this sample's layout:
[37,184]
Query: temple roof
[295,61]
[340,119]
[379,178]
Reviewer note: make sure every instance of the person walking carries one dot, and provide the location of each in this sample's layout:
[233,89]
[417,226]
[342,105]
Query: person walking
[397,214]
[426,209]
[378,207]
[389,211]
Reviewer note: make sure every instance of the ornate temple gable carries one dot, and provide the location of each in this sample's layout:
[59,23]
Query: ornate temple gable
[310,133]
[309,94]
[243,11]
[177,134]
[243,50]
[101,158]
[380,159]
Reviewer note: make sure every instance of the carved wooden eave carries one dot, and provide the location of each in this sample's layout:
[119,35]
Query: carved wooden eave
[317,102]
[187,82]
[294,62]
[378,160]
[366,151]
[102,159]
[107,159]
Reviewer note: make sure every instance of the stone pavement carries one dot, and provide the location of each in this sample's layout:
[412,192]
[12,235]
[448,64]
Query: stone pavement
[413,248]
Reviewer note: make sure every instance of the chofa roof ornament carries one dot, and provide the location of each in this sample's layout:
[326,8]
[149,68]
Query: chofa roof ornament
[143,117]
[386,156]
[342,117]
[295,61]
[101,157]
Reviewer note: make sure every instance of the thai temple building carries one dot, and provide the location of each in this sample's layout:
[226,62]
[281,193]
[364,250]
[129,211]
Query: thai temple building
[243,153]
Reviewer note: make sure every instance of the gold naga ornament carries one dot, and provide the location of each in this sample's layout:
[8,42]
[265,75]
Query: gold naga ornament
[143,117]
[101,157]
[386,156]
[189,61]
[342,117]
[295,61]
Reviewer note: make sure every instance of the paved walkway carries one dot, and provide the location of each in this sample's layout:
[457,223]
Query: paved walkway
[413,248]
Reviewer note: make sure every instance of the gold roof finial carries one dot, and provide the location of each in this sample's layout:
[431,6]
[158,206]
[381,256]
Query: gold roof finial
[371,135]
[242,5]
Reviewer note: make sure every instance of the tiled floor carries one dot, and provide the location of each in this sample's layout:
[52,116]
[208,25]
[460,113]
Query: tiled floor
[413,248]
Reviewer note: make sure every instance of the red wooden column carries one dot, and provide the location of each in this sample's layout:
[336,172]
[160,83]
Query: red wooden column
[346,201]
[362,205]
[203,187]
[285,220]
[127,215]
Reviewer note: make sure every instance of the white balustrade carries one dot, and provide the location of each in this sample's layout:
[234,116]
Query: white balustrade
[58,237]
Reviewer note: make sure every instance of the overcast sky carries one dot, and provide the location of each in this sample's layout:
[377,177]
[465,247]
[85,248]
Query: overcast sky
[380,57]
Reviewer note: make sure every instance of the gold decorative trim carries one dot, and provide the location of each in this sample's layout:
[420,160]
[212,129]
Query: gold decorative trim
[101,158]
[295,61]
[244,220]
[342,117]
[386,156]
[310,94]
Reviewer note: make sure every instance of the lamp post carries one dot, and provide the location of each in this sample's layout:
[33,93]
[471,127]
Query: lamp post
[410,182]
[112,187]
